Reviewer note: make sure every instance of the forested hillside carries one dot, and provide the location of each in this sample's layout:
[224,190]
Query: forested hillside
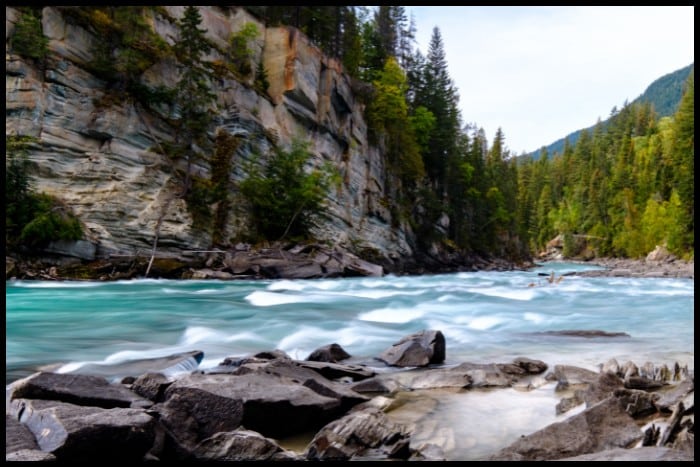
[624,187]
[664,95]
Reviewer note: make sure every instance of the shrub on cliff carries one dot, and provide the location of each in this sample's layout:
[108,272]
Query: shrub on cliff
[28,39]
[284,197]
[32,219]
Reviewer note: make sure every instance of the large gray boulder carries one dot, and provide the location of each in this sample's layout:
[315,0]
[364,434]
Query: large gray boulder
[272,405]
[77,433]
[241,445]
[603,426]
[83,390]
[419,349]
[329,353]
[366,433]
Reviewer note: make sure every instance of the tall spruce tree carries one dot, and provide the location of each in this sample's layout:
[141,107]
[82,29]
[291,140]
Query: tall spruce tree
[193,91]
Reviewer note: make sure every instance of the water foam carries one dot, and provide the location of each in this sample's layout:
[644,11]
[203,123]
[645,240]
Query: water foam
[392,315]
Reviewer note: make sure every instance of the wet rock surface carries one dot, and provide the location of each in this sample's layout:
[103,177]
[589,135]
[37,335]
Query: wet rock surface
[246,407]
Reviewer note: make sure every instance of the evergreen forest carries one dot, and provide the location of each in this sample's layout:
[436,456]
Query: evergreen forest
[619,190]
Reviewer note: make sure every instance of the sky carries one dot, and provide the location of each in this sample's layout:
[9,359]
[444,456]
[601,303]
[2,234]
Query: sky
[542,72]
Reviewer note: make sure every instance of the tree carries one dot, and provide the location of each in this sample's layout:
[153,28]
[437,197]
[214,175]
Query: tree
[284,198]
[193,94]
[438,95]
[683,158]
[18,189]
[387,115]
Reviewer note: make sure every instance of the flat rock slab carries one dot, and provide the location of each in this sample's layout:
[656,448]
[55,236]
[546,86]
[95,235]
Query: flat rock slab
[84,390]
[273,405]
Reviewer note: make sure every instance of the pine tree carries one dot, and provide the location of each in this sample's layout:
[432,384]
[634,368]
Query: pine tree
[193,94]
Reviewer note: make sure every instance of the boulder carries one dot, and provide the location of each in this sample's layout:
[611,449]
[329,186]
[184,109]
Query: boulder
[314,381]
[77,433]
[82,390]
[338,370]
[603,426]
[17,436]
[241,445]
[329,353]
[567,375]
[419,349]
[151,386]
[644,454]
[360,434]
[272,405]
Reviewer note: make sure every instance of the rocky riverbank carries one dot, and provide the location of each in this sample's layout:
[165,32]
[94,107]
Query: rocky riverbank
[247,408]
[244,261]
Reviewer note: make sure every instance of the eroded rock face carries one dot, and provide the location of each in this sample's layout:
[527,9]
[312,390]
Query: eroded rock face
[99,155]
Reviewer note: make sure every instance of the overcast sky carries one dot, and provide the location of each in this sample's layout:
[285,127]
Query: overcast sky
[542,72]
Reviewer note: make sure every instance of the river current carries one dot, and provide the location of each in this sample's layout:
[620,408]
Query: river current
[486,317]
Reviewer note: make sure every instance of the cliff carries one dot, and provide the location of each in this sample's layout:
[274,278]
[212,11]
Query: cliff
[98,155]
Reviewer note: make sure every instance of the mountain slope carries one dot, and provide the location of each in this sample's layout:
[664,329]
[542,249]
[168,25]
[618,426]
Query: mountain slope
[664,94]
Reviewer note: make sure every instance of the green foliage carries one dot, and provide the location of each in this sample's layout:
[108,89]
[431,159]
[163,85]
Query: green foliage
[226,146]
[193,95]
[284,197]
[128,45]
[261,83]
[624,188]
[31,219]
[240,53]
[19,203]
[387,115]
[50,222]
[28,39]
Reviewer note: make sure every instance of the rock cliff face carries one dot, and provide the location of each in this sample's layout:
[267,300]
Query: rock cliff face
[99,157]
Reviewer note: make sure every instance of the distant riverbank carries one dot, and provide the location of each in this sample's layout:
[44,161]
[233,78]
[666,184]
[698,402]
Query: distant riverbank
[622,267]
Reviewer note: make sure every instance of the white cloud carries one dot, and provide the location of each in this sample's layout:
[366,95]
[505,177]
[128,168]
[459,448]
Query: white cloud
[541,72]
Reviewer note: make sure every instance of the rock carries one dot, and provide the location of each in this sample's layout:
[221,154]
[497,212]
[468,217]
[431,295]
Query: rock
[671,395]
[533,367]
[641,382]
[10,267]
[272,405]
[585,333]
[603,426]
[596,391]
[81,390]
[211,274]
[567,375]
[339,370]
[644,454]
[376,385]
[659,254]
[170,365]
[151,386]
[191,415]
[241,445]
[353,435]
[77,433]
[17,436]
[314,381]
[419,349]
[82,249]
[100,163]
[329,353]
[637,403]
[29,455]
